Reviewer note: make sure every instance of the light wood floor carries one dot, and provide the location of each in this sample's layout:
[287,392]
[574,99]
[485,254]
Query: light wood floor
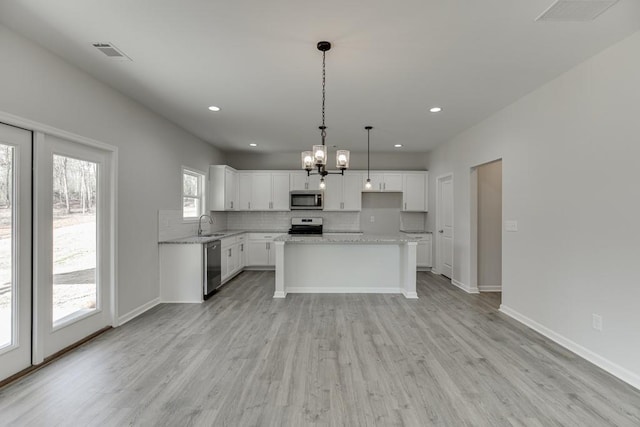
[244,359]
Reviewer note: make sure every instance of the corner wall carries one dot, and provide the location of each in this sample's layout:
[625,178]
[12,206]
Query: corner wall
[39,86]
[571,179]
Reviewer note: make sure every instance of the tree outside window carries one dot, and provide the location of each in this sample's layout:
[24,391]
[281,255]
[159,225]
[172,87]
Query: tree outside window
[192,194]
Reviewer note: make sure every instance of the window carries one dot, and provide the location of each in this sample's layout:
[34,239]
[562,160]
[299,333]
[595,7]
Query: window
[192,194]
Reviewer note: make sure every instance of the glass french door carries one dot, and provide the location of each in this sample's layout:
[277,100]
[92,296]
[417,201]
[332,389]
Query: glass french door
[74,257]
[15,250]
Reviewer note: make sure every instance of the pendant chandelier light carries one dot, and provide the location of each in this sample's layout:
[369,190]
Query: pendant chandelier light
[317,158]
[367,185]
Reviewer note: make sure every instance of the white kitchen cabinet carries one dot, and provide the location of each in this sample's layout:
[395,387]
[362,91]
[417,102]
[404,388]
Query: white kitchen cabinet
[343,193]
[231,256]
[423,250]
[261,250]
[223,188]
[264,191]
[280,191]
[384,181]
[300,181]
[414,191]
[244,191]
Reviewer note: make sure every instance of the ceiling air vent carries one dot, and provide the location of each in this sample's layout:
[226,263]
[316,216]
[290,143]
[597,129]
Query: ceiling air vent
[575,10]
[111,51]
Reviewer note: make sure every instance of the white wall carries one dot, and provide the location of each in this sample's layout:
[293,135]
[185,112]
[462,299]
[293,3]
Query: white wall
[37,85]
[571,179]
[490,226]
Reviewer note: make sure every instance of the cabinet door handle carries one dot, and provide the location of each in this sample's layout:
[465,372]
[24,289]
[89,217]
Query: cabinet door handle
[229,253]
[242,247]
[384,186]
[405,206]
[249,205]
[231,205]
[268,246]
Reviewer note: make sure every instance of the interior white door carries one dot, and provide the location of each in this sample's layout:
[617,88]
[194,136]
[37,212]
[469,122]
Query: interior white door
[445,225]
[73,289]
[15,250]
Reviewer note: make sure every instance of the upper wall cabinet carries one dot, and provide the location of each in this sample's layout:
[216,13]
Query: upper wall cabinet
[343,193]
[414,191]
[385,181]
[300,181]
[264,191]
[223,188]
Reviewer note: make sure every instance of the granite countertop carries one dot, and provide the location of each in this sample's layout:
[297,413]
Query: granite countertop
[351,239]
[216,235]
[416,231]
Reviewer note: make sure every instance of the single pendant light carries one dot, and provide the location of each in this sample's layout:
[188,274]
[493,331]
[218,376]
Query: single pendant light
[367,186]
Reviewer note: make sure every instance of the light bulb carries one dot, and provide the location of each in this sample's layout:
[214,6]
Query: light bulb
[308,160]
[322,184]
[342,159]
[319,154]
[368,184]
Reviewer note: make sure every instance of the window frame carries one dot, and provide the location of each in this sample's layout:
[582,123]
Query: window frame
[201,177]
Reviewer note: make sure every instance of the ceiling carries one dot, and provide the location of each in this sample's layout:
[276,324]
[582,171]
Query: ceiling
[258,61]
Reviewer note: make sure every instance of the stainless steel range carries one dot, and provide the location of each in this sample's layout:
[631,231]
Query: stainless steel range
[311,226]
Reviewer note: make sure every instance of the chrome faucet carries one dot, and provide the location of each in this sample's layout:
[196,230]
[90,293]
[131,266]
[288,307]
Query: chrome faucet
[200,223]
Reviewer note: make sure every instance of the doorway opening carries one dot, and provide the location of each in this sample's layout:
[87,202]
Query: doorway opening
[486,228]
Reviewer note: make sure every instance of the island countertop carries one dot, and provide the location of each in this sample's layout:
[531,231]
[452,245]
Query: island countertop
[346,238]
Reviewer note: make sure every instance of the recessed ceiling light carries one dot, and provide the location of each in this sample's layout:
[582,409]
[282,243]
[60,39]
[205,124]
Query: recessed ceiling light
[435,109]
[253,145]
[398,145]
[214,108]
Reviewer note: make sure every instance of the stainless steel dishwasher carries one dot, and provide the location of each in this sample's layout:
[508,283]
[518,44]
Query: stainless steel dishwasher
[213,277]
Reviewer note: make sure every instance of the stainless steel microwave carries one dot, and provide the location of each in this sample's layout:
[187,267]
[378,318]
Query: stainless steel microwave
[306,199]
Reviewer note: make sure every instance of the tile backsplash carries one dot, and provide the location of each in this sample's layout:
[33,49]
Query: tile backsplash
[172,226]
[338,221]
[333,221]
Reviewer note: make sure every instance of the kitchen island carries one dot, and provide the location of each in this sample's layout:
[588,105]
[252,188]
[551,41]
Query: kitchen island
[345,264]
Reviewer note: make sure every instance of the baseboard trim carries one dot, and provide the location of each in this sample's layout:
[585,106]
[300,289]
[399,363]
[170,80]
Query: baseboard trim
[342,290]
[464,287]
[614,369]
[279,294]
[490,288]
[137,311]
[410,295]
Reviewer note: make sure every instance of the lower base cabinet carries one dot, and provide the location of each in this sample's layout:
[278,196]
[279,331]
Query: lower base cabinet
[233,256]
[423,250]
[260,250]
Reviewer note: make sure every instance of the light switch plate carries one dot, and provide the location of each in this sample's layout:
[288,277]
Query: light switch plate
[511,225]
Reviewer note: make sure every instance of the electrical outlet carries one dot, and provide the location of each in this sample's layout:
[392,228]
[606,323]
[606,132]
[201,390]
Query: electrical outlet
[597,322]
[373,218]
[511,225]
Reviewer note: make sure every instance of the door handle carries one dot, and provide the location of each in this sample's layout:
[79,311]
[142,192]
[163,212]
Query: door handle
[440,231]
[231,205]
